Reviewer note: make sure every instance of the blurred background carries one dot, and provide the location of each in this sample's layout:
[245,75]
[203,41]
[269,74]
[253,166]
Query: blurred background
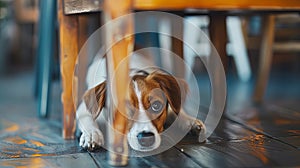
[18,34]
[18,55]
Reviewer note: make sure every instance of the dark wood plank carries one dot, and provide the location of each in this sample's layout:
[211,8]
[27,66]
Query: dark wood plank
[170,158]
[292,140]
[30,137]
[270,120]
[101,158]
[256,151]
[225,131]
[233,145]
[228,130]
[73,160]
[22,134]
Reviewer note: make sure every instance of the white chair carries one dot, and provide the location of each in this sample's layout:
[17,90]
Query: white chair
[236,46]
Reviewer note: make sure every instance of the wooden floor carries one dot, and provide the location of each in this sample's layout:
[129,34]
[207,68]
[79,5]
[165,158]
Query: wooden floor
[248,135]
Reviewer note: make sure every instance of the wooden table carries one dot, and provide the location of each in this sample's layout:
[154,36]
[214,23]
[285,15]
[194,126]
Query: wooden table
[218,9]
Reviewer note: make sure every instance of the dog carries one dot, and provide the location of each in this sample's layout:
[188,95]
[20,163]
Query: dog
[154,97]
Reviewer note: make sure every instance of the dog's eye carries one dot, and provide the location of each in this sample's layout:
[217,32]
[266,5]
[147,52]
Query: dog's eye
[156,106]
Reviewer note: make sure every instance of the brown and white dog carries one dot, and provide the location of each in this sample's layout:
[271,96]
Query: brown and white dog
[154,96]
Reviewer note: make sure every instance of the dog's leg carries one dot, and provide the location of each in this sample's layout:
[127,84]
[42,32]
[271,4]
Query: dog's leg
[91,137]
[196,125]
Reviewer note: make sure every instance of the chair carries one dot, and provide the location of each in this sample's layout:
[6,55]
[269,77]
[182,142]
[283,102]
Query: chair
[235,47]
[268,47]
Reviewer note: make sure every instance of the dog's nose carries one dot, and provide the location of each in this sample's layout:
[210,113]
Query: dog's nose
[146,139]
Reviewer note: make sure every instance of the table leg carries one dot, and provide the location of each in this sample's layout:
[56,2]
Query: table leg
[82,64]
[68,40]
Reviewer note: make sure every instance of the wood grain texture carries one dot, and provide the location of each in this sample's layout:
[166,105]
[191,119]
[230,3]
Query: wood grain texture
[270,120]
[73,160]
[256,151]
[68,40]
[121,46]
[101,158]
[217,5]
[83,60]
[81,6]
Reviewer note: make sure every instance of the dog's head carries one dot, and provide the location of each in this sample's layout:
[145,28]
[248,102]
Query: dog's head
[150,96]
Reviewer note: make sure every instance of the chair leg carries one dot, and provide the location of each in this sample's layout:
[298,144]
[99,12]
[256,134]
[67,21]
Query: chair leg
[45,54]
[172,44]
[217,32]
[193,46]
[177,48]
[68,41]
[236,39]
[265,58]
[165,43]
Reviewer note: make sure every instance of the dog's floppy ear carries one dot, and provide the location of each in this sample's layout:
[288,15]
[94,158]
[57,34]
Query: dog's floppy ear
[94,99]
[175,89]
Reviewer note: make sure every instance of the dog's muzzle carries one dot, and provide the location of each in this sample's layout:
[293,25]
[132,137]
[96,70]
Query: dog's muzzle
[146,139]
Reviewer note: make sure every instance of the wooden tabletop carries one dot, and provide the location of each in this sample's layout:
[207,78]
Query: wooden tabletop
[217,4]
[83,6]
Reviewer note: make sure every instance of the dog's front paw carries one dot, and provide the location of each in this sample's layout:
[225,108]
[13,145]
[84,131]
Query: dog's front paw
[91,139]
[200,130]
